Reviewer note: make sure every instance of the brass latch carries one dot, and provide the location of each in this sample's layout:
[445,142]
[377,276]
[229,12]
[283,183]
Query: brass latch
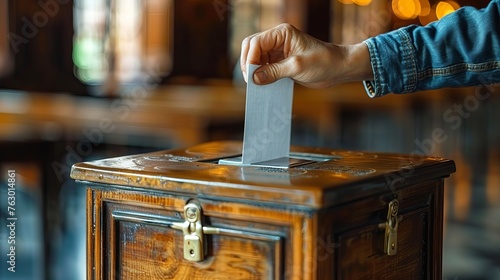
[391,228]
[193,229]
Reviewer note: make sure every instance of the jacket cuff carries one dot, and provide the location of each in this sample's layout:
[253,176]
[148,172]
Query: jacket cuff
[392,57]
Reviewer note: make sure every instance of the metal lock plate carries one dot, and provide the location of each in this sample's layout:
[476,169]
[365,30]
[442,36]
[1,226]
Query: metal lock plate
[391,229]
[193,248]
[194,231]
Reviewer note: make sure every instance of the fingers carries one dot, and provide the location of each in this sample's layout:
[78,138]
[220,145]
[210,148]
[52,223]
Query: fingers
[264,47]
[285,51]
[271,49]
[250,54]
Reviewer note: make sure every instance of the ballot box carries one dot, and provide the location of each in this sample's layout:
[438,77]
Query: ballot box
[329,214]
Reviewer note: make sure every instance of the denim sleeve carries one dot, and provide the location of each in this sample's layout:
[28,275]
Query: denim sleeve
[461,49]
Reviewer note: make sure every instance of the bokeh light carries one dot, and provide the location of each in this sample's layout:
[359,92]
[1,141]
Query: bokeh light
[411,9]
[362,2]
[406,9]
[444,8]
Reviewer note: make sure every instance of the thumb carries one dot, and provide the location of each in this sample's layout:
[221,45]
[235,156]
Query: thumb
[272,72]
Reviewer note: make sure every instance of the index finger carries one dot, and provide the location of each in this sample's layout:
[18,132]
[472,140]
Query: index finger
[245,46]
[253,47]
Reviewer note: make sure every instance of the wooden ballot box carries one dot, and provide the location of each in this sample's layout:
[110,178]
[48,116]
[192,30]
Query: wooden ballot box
[181,214]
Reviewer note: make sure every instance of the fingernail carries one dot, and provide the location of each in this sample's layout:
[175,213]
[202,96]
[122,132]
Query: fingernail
[260,77]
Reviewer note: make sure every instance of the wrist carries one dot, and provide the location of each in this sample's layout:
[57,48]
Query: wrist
[356,64]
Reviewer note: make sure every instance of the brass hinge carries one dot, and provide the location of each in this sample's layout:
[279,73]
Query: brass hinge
[194,231]
[391,228]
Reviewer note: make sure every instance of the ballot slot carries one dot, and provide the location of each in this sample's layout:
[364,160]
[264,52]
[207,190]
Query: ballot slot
[295,159]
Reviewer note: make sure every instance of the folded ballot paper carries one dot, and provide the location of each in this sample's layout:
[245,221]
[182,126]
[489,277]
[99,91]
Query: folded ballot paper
[268,118]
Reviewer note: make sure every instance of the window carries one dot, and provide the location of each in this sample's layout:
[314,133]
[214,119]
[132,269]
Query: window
[118,41]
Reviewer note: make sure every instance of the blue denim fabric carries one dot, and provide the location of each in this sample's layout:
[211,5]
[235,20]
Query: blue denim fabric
[461,49]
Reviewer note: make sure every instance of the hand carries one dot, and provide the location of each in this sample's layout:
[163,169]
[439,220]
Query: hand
[285,51]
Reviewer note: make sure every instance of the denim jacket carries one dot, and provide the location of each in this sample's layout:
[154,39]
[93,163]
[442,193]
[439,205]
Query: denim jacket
[461,49]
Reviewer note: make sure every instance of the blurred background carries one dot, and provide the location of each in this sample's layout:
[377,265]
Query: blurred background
[88,79]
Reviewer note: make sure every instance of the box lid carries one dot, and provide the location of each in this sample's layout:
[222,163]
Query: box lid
[331,177]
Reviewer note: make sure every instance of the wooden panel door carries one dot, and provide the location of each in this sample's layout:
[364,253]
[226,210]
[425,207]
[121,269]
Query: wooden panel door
[143,244]
[133,237]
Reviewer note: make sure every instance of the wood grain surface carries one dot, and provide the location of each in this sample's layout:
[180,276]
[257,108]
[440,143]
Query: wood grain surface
[346,177]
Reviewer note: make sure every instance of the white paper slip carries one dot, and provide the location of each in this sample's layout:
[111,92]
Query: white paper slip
[268,119]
